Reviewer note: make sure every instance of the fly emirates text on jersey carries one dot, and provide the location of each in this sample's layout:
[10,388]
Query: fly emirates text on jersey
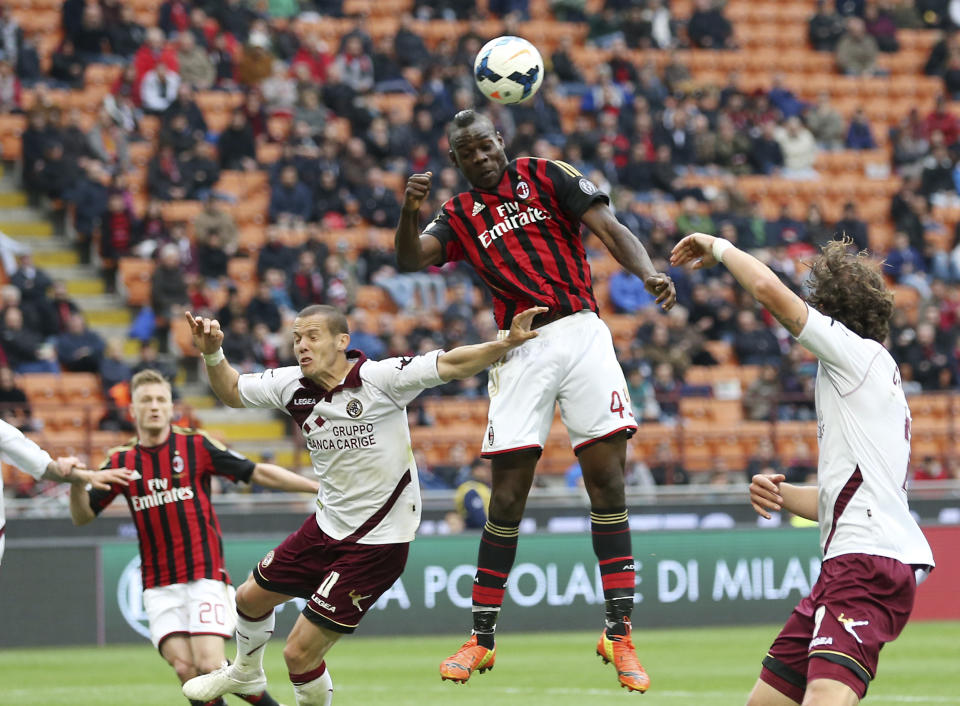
[512,219]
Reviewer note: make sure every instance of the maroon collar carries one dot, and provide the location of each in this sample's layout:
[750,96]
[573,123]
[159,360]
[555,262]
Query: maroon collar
[352,379]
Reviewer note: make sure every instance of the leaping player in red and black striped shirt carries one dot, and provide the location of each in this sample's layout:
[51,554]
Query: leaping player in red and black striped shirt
[519,226]
[187,593]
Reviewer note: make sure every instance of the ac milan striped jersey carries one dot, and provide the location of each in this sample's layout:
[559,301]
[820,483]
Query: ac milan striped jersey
[169,499]
[523,237]
[359,441]
[863,429]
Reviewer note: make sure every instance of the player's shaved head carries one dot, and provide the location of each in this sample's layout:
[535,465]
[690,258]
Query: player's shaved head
[469,118]
[477,149]
[335,320]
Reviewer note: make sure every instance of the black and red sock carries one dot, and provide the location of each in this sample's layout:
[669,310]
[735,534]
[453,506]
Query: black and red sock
[498,549]
[611,543]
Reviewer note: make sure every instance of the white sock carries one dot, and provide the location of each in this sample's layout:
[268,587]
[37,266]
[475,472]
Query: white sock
[316,692]
[252,637]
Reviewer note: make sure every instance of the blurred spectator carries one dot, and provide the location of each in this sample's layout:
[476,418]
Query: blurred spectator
[62,307]
[799,150]
[223,63]
[826,28]
[818,231]
[66,65]
[9,89]
[201,171]
[306,282]
[708,28]
[762,394]
[14,405]
[943,121]
[354,66]
[214,220]
[290,201]
[929,361]
[881,26]
[92,39]
[783,99]
[851,226]
[666,468]
[753,343]
[195,67]
[692,219]
[856,51]
[937,174]
[766,154]
[32,282]
[263,310]
[126,34]
[627,293]
[158,89]
[362,339]
[275,254]
[79,349]
[643,398]
[23,347]
[118,235]
[212,258]
[764,459]
[113,368]
[256,61]
[240,345]
[472,495]
[931,468]
[826,124]
[165,176]
[378,204]
[236,144]
[859,134]
[108,143]
[279,90]
[168,292]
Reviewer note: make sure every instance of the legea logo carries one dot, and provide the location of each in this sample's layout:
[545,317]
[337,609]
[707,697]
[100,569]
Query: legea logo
[130,598]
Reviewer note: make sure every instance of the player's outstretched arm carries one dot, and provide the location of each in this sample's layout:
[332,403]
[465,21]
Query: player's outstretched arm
[629,252]
[415,251]
[224,380]
[769,492]
[466,361]
[80,511]
[270,476]
[701,250]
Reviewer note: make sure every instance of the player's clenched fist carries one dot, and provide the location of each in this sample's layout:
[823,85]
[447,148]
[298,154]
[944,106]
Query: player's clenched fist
[418,187]
[207,336]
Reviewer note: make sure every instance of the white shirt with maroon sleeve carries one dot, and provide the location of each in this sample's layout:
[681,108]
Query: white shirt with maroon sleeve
[19,451]
[864,438]
[359,441]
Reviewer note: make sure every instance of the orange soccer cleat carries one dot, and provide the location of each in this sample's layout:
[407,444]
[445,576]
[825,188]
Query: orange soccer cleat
[619,650]
[468,658]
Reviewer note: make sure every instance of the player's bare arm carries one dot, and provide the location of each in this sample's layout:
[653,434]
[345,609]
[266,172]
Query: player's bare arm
[224,379]
[465,361]
[80,510]
[629,252]
[415,251]
[69,469]
[699,250]
[768,493]
[272,476]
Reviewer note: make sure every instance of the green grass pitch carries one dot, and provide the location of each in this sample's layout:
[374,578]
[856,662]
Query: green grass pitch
[693,667]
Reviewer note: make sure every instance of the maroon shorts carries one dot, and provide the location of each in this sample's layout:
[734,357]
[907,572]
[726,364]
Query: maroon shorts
[340,579]
[859,603]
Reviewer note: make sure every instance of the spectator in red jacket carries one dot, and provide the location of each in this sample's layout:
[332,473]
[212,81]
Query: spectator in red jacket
[154,51]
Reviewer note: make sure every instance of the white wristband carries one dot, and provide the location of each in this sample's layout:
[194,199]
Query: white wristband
[214,359]
[720,246]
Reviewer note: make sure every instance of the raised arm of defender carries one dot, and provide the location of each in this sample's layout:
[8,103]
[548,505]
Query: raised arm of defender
[415,251]
[629,252]
[466,361]
[224,380]
[702,250]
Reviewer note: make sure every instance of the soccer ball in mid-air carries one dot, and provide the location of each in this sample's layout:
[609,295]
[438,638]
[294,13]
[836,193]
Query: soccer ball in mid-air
[508,69]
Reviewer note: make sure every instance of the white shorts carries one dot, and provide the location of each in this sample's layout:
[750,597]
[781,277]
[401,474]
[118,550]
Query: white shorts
[201,607]
[572,362]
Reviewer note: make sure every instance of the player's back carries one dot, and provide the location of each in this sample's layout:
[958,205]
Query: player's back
[864,436]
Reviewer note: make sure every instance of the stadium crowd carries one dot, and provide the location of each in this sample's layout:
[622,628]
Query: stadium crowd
[641,133]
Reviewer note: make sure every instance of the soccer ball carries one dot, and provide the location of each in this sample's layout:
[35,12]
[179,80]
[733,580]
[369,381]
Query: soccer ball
[508,69]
